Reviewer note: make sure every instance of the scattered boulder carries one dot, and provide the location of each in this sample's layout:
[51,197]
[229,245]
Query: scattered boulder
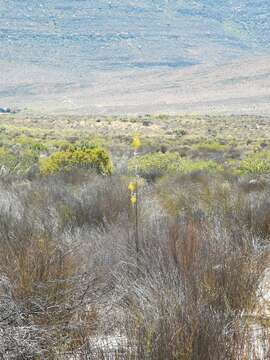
[5,110]
[147,123]
[73,139]
[163,149]
[3,170]
[263,145]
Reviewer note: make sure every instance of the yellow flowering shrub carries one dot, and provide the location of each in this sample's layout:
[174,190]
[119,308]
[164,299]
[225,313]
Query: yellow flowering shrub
[96,158]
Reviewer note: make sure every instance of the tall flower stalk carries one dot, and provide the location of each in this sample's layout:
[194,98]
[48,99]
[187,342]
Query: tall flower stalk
[134,194]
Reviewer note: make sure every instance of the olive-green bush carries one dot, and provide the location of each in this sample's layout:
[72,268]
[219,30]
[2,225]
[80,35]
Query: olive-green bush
[257,163]
[158,164]
[17,162]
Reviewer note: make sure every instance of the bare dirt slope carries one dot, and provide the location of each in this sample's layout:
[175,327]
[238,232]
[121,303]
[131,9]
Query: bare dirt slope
[238,87]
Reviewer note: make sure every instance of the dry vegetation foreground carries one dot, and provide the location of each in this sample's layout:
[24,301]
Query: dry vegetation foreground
[107,255]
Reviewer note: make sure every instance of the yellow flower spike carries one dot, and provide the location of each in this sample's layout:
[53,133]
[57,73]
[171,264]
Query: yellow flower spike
[132,187]
[136,142]
[40,243]
[133,199]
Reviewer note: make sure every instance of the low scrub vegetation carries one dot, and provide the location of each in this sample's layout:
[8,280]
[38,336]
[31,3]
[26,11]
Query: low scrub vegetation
[159,257]
[70,270]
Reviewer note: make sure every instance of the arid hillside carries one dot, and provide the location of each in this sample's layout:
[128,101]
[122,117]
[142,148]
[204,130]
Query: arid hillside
[240,87]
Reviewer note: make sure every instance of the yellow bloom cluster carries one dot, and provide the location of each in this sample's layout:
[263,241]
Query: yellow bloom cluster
[136,142]
[133,199]
[132,187]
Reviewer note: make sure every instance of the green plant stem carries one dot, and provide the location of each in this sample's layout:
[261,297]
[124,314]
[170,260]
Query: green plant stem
[137,226]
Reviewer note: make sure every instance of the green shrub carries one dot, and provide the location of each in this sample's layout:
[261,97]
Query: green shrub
[31,143]
[211,147]
[25,161]
[7,159]
[180,132]
[17,163]
[158,164]
[257,163]
[189,166]
[96,158]
[59,144]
